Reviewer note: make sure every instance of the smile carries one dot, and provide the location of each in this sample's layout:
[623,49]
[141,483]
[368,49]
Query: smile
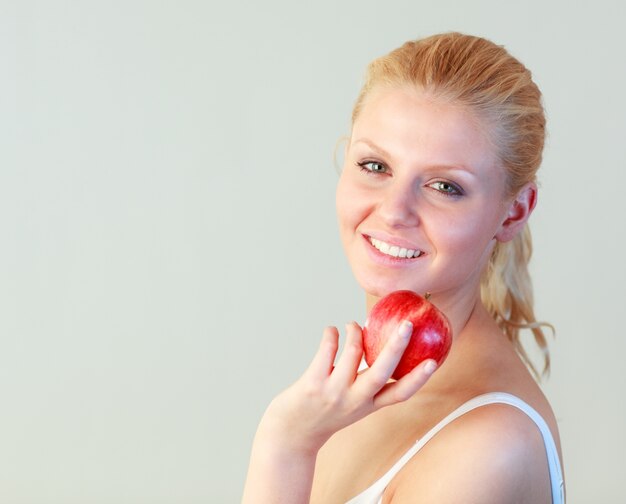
[393,250]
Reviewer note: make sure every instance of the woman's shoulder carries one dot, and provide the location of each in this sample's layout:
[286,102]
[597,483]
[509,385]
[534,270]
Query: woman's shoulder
[493,453]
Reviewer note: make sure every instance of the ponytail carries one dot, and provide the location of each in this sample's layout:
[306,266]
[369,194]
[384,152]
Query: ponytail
[506,292]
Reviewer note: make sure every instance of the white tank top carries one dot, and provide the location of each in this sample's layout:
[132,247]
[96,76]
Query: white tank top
[374,494]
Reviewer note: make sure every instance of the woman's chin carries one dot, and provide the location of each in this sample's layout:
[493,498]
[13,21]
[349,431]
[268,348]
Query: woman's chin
[381,289]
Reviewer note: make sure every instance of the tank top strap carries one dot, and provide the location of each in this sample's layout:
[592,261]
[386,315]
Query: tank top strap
[373,494]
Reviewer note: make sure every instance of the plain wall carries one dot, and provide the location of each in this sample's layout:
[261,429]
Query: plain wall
[169,251]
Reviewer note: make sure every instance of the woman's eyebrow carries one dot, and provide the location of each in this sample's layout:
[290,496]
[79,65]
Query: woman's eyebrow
[373,146]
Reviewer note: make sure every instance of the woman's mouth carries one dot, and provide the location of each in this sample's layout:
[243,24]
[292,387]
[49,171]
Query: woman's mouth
[394,250]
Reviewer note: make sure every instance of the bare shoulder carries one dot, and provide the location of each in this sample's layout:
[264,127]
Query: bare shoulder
[493,454]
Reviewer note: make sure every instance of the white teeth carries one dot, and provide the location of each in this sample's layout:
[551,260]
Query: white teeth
[393,250]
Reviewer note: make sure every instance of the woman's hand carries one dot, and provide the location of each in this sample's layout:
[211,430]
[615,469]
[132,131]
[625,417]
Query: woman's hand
[324,400]
[330,397]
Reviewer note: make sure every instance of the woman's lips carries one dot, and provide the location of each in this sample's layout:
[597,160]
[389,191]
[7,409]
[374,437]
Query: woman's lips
[394,250]
[389,253]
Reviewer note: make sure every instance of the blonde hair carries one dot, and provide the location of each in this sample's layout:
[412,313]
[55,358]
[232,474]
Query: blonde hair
[477,74]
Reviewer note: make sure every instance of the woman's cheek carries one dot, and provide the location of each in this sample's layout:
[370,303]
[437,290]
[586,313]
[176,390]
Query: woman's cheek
[351,201]
[469,240]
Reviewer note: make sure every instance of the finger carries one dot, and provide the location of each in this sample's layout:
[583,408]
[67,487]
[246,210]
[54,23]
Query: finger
[322,364]
[348,364]
[406,386]
[384,365]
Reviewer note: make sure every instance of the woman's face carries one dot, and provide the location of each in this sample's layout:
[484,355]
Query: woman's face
[421,196]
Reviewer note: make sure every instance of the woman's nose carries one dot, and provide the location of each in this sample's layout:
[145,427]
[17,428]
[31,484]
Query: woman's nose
[398,207]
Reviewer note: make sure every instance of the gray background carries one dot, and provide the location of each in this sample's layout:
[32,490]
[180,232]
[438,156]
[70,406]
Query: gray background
[169,251]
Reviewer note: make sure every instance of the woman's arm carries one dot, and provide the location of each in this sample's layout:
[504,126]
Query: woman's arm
[324,400]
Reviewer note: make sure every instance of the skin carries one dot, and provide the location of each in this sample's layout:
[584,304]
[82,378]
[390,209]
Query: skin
[420,174]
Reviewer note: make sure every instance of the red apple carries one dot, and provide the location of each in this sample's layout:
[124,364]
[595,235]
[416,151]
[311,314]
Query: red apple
[431,337]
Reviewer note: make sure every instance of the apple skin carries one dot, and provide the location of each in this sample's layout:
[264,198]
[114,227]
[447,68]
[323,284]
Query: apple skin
[431,337]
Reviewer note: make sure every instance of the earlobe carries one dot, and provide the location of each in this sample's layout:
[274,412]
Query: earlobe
[519,212]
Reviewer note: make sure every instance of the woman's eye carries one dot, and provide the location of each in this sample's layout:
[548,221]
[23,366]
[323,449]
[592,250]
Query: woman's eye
[372,166]
[447,188]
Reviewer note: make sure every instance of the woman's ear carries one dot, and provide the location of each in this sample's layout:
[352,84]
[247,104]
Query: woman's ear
[518,213]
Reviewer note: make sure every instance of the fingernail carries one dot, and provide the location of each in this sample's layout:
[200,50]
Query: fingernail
[430,366]
[405,329]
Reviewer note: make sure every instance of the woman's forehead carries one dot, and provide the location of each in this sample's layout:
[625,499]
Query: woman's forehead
[406,122]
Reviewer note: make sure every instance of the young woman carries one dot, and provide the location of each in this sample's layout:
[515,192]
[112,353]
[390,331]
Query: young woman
[435,194]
